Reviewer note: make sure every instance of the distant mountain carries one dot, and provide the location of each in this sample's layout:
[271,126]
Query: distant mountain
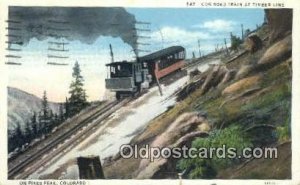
[21,106]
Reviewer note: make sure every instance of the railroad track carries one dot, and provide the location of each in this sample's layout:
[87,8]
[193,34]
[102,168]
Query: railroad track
[89,111]
[20,169]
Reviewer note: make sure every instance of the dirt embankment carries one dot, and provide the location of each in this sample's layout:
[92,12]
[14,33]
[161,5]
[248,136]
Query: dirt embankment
[252,91]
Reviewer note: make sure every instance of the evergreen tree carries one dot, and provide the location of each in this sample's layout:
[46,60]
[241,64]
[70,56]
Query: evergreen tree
[41,124]
[235,42]
[19,136]
[28,134]
[34,125]
[67,110]
[56,120]
[45,116]
[61,113]
[50,121]
[11,140]
[77,100]
[45,106]
[51,115]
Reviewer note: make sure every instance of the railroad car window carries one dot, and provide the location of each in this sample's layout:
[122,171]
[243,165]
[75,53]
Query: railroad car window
[172,58]
[176,55]
[181,55]
[112,70]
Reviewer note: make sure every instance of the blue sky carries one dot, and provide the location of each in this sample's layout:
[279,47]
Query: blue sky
[180,26]
[187,17]
[211,26]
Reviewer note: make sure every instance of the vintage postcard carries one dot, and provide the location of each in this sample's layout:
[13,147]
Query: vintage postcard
[188,92]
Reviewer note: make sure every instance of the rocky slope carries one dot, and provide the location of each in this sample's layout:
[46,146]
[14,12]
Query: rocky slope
[252,91]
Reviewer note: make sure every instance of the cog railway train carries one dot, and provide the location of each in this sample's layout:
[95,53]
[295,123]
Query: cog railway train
[128,78]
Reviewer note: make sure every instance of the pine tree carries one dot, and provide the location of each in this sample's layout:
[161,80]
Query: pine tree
[50,121]
[45,106]
[28,134]
[41,124]
[19,136]
[67,110]
[61,113]
[56,120]
[45,117]
[77,100]
[11,140]
[235,42]
[51,115]
[34,125]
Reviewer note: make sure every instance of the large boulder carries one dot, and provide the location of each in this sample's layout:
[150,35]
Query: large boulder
[189,88]
[253,43]
[280,22]
[229,75]
[215,76]
[242,85]
[182,130]
[278,52]
[244,71]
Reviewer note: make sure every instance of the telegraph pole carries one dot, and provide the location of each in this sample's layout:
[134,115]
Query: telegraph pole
[138,36]
[162,39]
[138,50]
[226,46]
[199,48]
[242,27]
[111,53]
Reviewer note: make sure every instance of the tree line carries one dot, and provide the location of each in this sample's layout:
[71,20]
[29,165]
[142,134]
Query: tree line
[43,122]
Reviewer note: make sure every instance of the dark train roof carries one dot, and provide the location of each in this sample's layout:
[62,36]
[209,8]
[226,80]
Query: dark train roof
[161,53]
[119,62]
[153,56]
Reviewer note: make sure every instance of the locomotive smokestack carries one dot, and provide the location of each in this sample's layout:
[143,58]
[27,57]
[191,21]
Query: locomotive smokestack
[111,54]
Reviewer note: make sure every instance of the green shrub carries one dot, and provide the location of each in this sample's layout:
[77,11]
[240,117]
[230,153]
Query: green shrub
[277,95]
[235,42]
[231,137]
[283,132]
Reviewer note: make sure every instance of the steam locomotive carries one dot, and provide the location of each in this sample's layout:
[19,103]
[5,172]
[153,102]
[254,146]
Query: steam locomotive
[128,78]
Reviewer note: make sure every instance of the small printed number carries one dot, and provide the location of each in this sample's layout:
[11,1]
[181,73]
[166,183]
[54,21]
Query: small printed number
[270,183]
[190,3]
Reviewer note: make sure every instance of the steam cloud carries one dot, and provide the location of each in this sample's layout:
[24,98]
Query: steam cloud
[85,24]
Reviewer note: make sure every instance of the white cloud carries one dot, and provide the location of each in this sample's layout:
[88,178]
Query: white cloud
[177,36]
[218,25]
[168,36]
